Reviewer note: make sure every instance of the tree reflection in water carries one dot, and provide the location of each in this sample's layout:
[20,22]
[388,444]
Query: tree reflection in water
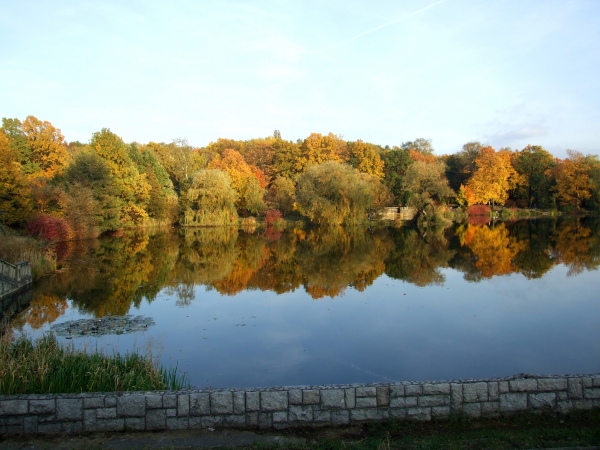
[108,276]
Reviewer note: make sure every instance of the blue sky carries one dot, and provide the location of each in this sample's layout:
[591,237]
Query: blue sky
[506,72]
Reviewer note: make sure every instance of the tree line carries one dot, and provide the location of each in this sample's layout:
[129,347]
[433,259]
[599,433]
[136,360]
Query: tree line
[80,190]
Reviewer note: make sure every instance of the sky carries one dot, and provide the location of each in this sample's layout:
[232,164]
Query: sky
[507,73]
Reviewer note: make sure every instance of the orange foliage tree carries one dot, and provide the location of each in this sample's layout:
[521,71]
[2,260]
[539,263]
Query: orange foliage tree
[492,179]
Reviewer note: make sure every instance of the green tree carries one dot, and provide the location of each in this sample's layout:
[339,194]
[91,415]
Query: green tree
[533,164]
[426,182]
[13,128]
[283,194]
[461,166]
[396,162]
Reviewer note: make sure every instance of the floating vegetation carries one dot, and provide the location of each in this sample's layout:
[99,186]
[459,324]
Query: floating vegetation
[103,326]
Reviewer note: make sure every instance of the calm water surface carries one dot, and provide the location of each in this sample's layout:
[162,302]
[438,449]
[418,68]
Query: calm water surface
[312,307]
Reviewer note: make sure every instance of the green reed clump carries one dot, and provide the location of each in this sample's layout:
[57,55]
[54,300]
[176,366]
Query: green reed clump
[43,366]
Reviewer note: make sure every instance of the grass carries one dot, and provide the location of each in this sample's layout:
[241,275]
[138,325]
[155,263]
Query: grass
[43,366]
[15,248]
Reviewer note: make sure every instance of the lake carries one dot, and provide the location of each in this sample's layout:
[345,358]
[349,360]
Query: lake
[309,307]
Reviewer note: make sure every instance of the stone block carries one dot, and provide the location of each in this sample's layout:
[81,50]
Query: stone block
[575,387]
[13,407]
[199,404]
[252,419]
[440,412]
[295,397]
[513,401]
[562,395]
[591,393]
[183,405]
[300,413]
[475,392]
[503,387]
[50,427]
[350,395]
[280,417]
[106,413]
[89,419]
[493,391]
[403,402]
[30,424]
[472,409]
[110,424]
[252,401]
[333,398]
[436,388]
[542,400]
[413,389]
[171,412]
[177,423]
[582,404]
[131,406]
[221,402]
[366,391]
[322,416]
[383,396]
[42,406]
[456,396]
[156,419]
[419,414]
[490,409]
[523,385]
[398,413]
[153,401]
[552,384]
[434,400]
[135,424]
[265,420]
[235,421]
[211,421]
[273,400]
[88,402]
[239,402]
[397,390]
[340,417]
[366,402]
[109,402]
[311,397]
[170,401]
[69,409]
[360,414]
[587,382]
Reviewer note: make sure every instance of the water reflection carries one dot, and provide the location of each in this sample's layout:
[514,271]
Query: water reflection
[109,276]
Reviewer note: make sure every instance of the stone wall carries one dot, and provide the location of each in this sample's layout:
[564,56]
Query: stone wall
[295,406]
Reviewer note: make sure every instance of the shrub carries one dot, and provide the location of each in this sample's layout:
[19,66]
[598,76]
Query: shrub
[479,210]
[50,228]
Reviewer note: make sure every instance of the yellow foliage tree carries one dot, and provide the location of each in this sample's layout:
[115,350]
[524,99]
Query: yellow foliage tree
[364,158]
[572,179]
[317,149]
[48,148]
[15,194]
[492,179]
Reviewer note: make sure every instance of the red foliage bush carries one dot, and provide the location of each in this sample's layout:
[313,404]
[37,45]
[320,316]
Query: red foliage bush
[271,234]
[479,210]
[50,228]
[272,216]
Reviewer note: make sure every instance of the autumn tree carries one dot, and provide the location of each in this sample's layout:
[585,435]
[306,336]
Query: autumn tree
[210,200]
[533,164]
[364,158]
[317,149]
[180,160]
[282,194]
[13,129]
[287,160]
[49,154]
[15,194]
[492,179]
[572,180]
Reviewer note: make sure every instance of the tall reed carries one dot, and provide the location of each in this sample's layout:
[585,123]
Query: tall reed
[43,366]
[20,248]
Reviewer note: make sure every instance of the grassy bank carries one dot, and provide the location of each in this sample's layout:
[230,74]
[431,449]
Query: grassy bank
[44,367]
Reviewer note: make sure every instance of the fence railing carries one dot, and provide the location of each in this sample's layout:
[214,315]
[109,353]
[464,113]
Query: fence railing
[19,272]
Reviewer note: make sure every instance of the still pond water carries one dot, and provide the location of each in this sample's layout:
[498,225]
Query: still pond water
[299,307]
